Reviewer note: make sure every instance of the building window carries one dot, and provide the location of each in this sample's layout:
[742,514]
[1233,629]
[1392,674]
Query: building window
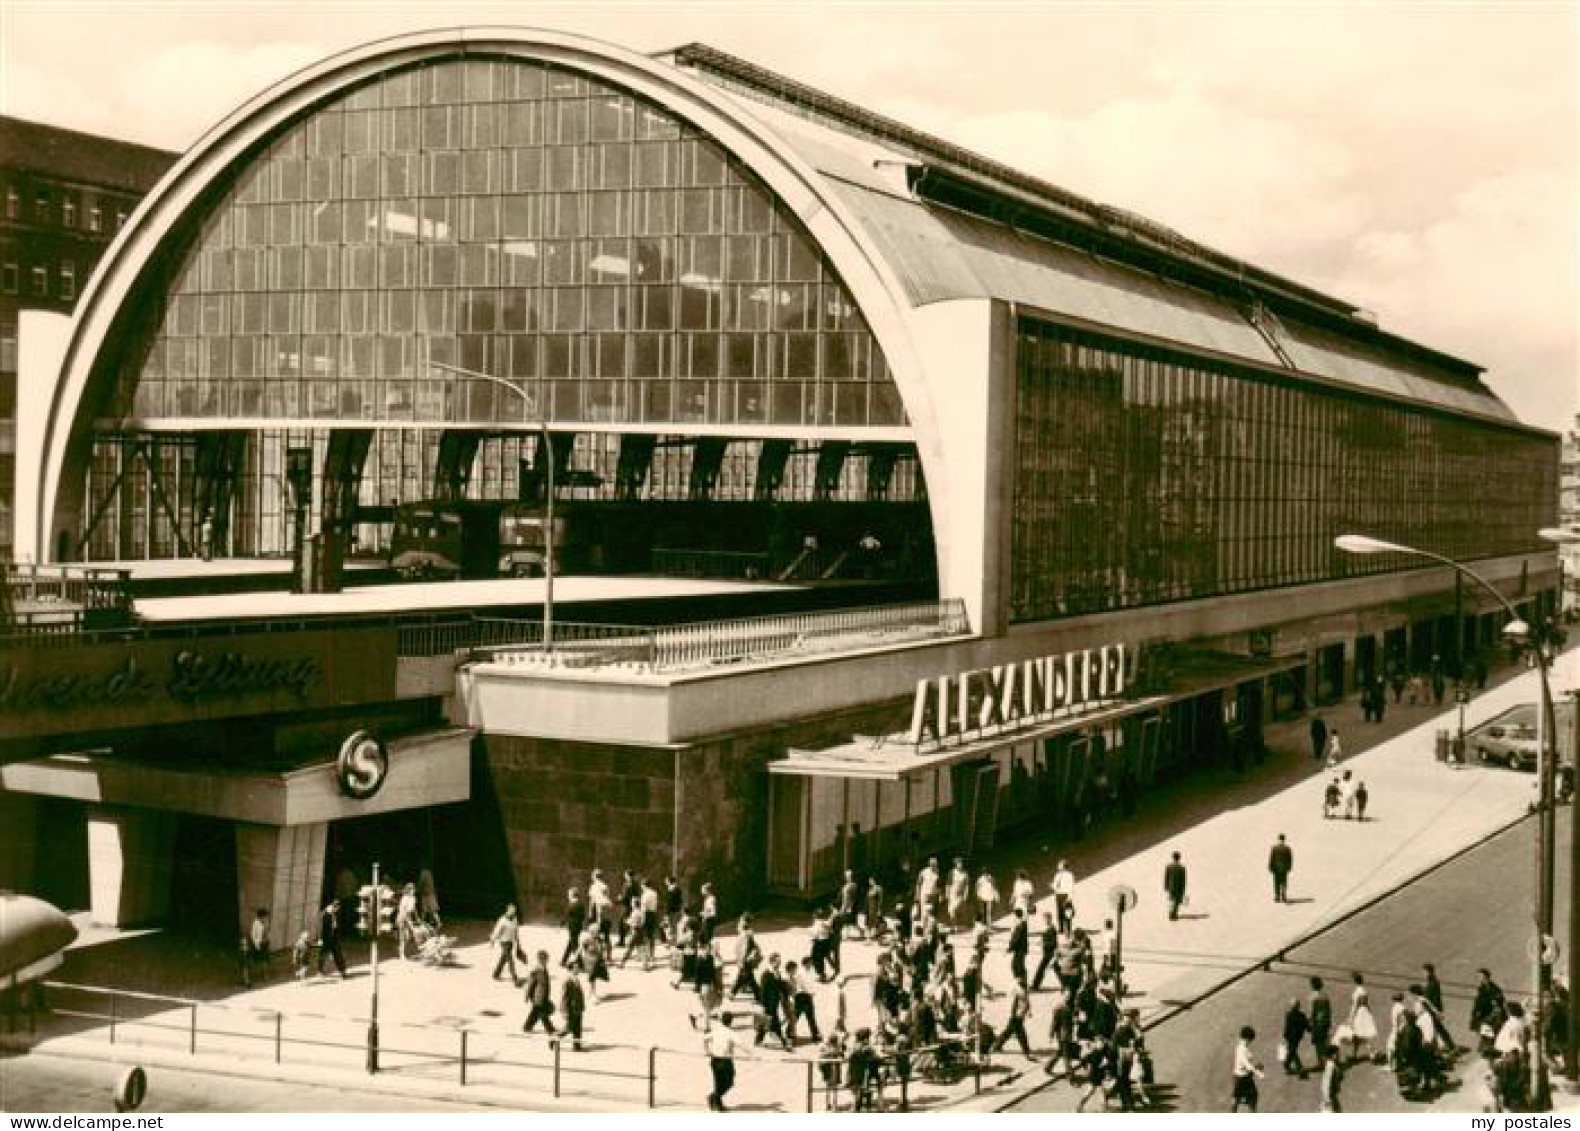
[41,208]
[9,278]
[13,203]
[95,219]
[68,280]
[68,212]
[40,281]
[120,218]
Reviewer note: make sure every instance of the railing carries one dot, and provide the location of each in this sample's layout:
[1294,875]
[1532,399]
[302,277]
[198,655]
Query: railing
[648,1074]
[730,564]
[61,598]
[738,640]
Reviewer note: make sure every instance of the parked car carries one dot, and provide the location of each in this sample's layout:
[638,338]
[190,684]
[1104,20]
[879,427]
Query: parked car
[1507,740]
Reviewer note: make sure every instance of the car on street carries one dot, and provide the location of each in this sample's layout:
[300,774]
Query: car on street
[1508,739]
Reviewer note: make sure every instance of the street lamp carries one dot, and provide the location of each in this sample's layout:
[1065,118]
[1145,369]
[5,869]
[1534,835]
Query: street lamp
[1572,1046]
[548,491]
[1547,756]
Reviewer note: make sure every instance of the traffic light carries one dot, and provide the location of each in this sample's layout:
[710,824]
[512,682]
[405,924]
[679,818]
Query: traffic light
[367,914]
[386,910]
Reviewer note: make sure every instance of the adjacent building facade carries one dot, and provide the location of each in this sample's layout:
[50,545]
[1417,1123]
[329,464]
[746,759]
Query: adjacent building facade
[440,260]
[67,195]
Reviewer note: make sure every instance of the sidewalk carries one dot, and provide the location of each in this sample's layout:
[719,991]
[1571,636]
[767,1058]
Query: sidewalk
[1421,813]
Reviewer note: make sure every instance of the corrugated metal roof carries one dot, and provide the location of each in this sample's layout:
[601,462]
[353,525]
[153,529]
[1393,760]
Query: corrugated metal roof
[940,255]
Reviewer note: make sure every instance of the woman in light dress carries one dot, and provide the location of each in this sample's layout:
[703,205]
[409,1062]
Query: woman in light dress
[1363,1026]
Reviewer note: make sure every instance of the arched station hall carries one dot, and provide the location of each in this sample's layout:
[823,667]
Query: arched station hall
[748,332]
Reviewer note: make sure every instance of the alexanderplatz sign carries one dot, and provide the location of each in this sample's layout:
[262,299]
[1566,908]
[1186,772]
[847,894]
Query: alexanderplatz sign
[1008,697]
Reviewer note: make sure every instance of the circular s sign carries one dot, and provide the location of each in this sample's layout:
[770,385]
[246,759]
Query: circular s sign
[363,765]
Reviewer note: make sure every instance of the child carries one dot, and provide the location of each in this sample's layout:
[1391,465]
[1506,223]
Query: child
[301,953]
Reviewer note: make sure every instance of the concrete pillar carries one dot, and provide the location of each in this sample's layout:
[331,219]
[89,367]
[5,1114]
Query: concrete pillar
[281,869]
[19,846]
[130,855]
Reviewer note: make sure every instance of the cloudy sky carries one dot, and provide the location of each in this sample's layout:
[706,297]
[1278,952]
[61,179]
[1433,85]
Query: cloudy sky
[1415,158]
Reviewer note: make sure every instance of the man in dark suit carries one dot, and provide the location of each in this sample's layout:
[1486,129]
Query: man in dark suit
[1281,862]
[1019,945]
[1174,885]
[1319,737]
[1050,949]
[540,996]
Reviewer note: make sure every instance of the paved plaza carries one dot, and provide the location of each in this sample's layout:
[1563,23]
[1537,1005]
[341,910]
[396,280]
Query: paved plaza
[642,1048]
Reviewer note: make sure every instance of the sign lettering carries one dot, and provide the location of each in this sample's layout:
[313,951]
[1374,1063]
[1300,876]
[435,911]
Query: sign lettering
[1009,696]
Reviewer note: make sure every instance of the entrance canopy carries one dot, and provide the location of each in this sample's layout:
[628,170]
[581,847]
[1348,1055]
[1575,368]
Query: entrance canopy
[893,757]
[432,768]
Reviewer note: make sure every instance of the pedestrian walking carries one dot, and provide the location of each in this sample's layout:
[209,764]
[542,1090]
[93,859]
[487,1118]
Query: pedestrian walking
[539,996]
[774,997]
[1280,862]
[573,1003]
[506,943]
[708,917]
[1362,1025]
[927,882]
[1018,946]
[301,954]
[1319,737]
[1022,893]
[1332,1080]
[1063,894]
[987,897]
[257,963]
[406,920]
[600,906]
[1296,1025]
[1319,1012]
[802,1003]
[574,920]
[1361,797]
[1015,1024]
[873,922]
[1487,1006]
[1174,885]
[958,894]
[1335,748]
[1347,794]
[1247,1071]
[329,938]
[1049,943]
[428,899]
[719,1045]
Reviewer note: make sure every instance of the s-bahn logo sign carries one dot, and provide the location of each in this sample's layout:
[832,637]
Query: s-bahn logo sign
[1010,697]
[362,766]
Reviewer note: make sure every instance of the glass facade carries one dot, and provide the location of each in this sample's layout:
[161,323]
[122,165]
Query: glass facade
[507,218]
[1143,476]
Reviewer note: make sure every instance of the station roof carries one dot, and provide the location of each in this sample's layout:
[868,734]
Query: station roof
[953,224]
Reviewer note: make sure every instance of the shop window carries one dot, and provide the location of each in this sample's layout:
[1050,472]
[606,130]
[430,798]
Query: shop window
[40,281]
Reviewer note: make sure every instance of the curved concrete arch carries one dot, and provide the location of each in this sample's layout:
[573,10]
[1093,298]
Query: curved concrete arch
[860,263]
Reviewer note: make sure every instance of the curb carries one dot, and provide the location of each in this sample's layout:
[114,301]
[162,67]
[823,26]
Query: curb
[1174,1009]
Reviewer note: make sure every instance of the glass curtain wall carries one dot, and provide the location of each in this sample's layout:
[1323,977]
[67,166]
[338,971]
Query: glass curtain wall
[509,218]
[1143,476]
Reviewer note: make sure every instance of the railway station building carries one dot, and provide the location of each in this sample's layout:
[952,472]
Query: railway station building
[461,265]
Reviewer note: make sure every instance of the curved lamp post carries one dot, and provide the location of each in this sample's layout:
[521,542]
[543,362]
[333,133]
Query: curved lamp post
[1572,1049]
[548,491]
[1547,762]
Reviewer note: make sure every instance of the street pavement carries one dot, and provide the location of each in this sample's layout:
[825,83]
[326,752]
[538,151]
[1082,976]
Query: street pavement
[1471,912]
[1421,813]
[39,1082]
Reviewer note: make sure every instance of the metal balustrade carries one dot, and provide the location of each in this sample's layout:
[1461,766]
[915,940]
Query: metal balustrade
[54,599]
[738,640]
[652,1074]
